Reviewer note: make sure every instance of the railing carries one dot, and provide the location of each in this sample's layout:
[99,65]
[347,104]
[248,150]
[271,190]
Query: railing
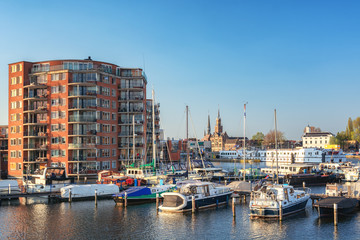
[36,146]
[35,121]
[124,86]
[130,122]
[34,83]
[130,110]
[130,145]
[76,106]
[81,132]
[39,159]
[131,98]
[78,159]
[81,119]
[82,93]
[33,108]
[35,134]
[81,145]
[35,96]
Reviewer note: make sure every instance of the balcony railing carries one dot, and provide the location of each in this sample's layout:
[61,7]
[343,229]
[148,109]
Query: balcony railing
[130,122]
[35,121]
[39,159]
[81,119]
[79,106]
[35,134]
[42,96]
[83,93]
[34,83]
[33,108]
[81,132]
[130,110]
[36,146]
[81,145]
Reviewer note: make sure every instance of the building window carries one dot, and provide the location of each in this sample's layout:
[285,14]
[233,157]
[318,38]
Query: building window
[106,165]
[113,165]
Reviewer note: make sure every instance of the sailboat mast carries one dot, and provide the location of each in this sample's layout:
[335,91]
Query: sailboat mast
[244,147]
[153,130]
[133,125]
[276,152]
[187,137]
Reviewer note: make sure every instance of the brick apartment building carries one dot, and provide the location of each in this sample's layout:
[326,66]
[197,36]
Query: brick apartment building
[77,114]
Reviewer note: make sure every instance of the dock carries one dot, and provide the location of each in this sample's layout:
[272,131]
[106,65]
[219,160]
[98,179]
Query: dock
[19,195]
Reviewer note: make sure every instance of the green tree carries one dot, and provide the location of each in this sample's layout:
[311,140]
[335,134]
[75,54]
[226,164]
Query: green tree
[259,138]
[341,137]
[349,128]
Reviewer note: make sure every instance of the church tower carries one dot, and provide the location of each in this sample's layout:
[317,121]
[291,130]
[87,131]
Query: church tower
[218,127]
[208,126]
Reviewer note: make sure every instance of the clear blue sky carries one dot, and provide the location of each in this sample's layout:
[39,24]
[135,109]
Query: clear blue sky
[300,57]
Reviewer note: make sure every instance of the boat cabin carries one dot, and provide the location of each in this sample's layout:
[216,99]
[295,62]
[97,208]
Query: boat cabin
[286,169]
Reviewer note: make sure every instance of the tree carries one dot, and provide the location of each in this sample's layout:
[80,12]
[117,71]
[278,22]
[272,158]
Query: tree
[349,128]
[341,137]
[269,139]
[259,138]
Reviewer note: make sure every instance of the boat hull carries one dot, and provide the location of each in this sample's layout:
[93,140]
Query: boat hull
[206,202]
[268,212]
[134,201]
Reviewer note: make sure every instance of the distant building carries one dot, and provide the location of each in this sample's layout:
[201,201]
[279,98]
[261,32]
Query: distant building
[3,151]
[316,139]
[220,141]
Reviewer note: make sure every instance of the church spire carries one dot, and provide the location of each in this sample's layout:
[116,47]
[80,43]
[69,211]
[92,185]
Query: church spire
[208,126]
[218,111]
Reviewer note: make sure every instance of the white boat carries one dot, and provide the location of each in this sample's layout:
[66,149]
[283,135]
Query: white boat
[49,179]
[285,169]
[88,191]
[267,200]
[301,155]
[206,195]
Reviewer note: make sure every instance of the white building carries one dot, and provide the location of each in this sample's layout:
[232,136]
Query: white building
[316,139]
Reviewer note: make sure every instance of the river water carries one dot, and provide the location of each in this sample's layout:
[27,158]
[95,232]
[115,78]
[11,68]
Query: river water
[37,219]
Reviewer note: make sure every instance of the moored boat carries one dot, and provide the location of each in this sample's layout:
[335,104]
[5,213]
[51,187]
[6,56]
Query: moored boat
[345,206]
[206,195]
[138,195]
[87,191]
[267,201]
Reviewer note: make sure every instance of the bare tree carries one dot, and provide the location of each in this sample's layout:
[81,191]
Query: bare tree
[269,139]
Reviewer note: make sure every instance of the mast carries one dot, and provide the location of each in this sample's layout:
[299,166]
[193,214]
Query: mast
[153,131]
[133,125]
[244,147]
[187,137]
[276,152]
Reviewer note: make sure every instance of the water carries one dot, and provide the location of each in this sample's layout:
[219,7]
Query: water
[83,220]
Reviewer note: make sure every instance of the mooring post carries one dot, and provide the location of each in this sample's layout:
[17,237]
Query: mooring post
[70,196]
[225,182]
[9,190]
[217,203]
[349,191]
[233,207]
[193,204]
[157,202]
[95,197]
[125,200]
[244,196]
[280,211]
[85,179]
[335,214]
[304,186]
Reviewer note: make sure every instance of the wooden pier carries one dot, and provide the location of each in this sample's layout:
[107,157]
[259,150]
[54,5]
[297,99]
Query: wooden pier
[19,195]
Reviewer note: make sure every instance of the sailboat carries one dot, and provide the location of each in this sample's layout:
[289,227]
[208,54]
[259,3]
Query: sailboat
[277,200]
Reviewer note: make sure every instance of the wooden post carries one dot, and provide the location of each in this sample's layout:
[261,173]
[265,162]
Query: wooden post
[304,186]
[9,190]
[233,207]
[225,182]
[157,202]
[125,201]
[349,191]
[193,204]
[85,179]
[244,196]
[335,214]
[70,196]
[95,197]
[280,211]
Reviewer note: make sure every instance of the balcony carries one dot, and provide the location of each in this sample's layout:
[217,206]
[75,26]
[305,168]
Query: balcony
[89,93]
[34,84]
[35,109]
[36,160]
[86,119]
[86,67]
[131,110]
[82,107]
[125,122]
[36,146]
[78,159]
[34,122]
[79,132]
[124,145]
[133,98]
[35,97]
[35,134]
[81,146]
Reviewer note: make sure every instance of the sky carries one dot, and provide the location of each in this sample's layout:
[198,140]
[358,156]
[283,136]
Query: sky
[298,57]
